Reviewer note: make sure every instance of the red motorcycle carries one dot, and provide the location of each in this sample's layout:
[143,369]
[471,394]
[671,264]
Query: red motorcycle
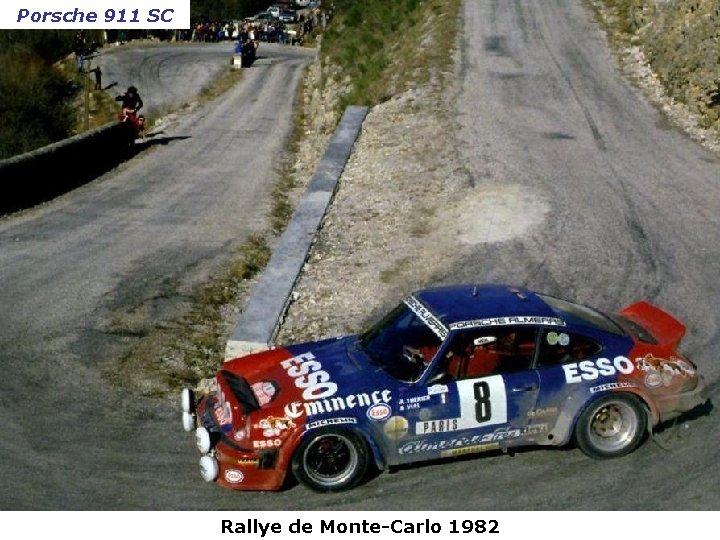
[136,121]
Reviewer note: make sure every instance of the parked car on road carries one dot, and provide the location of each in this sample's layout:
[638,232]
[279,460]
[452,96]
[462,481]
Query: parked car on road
[262,17]
[287,16]
[450,371]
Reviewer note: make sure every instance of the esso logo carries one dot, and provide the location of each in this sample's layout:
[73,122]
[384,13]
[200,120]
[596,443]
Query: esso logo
[267,444]
[234,476]
[309,376]
[378,412]
[589,370]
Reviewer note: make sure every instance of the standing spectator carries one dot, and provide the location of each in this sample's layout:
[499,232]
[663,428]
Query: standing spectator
[98,77]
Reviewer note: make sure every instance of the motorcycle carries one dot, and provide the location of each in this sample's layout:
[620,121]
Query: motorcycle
[135,121]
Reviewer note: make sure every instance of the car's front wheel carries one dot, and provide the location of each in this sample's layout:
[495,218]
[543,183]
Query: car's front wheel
[331,460]
[612,426]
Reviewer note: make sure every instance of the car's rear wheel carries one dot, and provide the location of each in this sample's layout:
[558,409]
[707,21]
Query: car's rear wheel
[331,460]
[612,426]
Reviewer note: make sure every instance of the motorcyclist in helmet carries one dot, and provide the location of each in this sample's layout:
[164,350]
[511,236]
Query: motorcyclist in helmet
[131,101]
[131,104]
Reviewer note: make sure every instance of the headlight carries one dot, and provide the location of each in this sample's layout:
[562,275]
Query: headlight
[188,421]
[188,400]
[202,440]
[209,468]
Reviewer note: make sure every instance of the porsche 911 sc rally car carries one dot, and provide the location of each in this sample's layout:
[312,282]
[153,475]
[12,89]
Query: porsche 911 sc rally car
[450,371]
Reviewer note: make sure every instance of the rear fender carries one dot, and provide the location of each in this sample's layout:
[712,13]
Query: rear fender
[653,413]
[564,428]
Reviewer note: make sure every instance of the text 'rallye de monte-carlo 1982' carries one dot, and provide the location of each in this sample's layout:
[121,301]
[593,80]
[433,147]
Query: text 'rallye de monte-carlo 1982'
[450,371]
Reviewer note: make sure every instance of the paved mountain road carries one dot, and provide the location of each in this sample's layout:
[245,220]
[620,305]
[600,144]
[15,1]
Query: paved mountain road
[131,242]
[627,208]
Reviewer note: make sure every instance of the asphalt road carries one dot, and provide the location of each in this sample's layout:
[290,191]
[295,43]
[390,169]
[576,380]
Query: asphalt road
[630,208]
[129,244]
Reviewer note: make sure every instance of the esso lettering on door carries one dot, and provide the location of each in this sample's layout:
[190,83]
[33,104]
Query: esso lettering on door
[309,376]
[589,370]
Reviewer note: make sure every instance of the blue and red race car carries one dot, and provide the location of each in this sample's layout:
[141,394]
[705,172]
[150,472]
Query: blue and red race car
[450,371]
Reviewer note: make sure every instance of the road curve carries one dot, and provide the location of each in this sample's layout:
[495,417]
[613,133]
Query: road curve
[129,243]
[629,209]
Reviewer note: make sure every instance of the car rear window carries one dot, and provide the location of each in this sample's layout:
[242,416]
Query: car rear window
[587,314]
[635,330]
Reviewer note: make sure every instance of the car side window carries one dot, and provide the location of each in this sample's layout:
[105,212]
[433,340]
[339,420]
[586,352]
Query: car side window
[559,347]
[485,351]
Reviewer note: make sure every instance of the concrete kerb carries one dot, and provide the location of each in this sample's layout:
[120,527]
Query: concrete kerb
[260,320]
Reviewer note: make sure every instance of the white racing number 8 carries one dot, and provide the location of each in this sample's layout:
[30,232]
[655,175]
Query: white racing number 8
[482,402]
[483,406]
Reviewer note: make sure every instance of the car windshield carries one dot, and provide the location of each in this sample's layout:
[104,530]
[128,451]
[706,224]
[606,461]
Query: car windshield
[401,344]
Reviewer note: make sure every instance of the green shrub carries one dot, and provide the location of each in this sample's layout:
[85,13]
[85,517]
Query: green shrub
[36,108]
[364,39]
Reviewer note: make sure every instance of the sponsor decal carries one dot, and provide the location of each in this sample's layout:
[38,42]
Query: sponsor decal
[309,376]
[612,386]
[336,404]
[379,412]
[437,389]
[396,427]
[240,435]
[330,422]
[661,372]
[427,317]
[234,476]
[273,426]
[223,412]
[265,391]
[451,446]
[589,370]
[267,443]
[653,380]
[542,412]
[436,426]
[562,339]
[506,321]
[474,449]
[248,462]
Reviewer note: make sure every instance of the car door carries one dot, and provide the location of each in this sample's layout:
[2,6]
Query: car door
[467,409]
[560,354]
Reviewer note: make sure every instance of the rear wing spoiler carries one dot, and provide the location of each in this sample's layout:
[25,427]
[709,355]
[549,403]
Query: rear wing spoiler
[665,328]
